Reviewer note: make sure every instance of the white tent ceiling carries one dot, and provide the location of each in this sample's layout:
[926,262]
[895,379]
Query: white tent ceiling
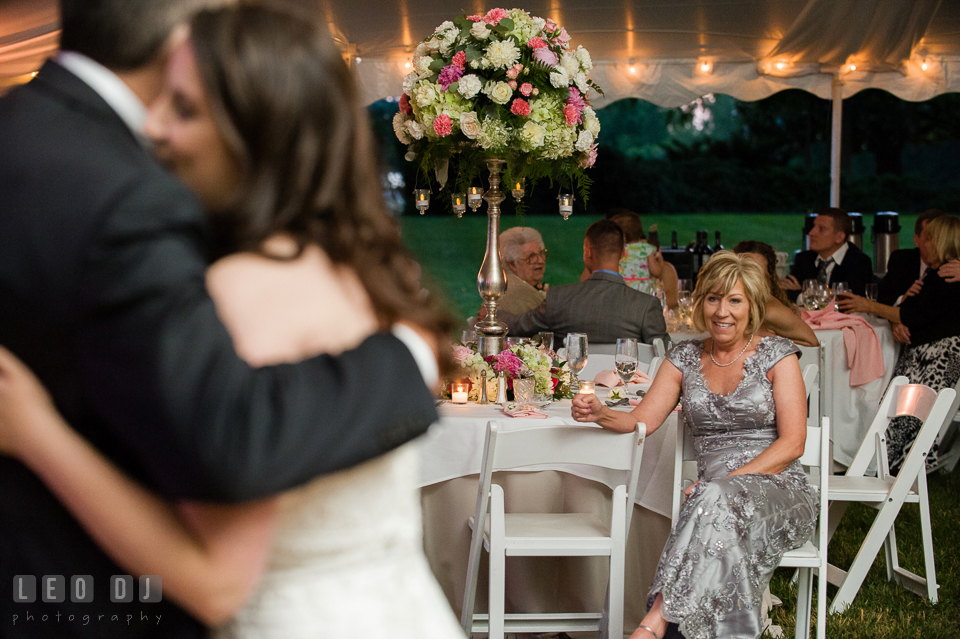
[650,49]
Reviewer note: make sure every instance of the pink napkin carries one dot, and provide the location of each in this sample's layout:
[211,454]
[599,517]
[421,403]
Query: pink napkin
[611,379]
[860,341]
[528,411]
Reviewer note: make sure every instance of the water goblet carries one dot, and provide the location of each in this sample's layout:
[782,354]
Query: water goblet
[468,337]
[546,340]
[626,358]
[576,345]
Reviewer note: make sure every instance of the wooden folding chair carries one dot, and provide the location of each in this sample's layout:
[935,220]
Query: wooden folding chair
[550,534]
[888,493]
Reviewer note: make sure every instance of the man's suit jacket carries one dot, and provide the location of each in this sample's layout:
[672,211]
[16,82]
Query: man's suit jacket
[856,269]
[102,260]
[603,307]
[903,269]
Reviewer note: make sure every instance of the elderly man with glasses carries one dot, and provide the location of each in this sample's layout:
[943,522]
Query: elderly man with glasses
[525,259]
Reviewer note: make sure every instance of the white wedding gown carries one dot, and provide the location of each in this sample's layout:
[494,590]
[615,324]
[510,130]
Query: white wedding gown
[348,562]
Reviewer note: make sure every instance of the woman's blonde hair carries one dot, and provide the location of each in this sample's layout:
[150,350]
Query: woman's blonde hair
[945,236]
[720,275]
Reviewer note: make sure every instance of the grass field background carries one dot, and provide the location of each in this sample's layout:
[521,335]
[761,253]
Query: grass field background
[451,249]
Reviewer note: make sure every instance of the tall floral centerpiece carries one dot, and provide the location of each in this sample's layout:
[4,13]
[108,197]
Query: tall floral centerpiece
[503,91]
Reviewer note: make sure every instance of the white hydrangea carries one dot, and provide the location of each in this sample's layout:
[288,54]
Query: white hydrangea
[586,62]
[409,81]
[539,23]
[532,135]
[584,141]
[590,121]
[414,130]
[570,64]
[421,50]
[469,85]
[398,128]
[433,45]
[470,124]
[426,94]
[502,54]
[580,80]
[479,30]
[493,134]
[422,64]
[501,93]
[559,78]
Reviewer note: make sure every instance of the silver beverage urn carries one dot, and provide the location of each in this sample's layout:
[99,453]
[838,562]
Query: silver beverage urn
[886,239]
[856,233]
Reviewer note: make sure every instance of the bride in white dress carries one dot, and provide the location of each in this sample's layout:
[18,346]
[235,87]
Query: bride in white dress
[259,117]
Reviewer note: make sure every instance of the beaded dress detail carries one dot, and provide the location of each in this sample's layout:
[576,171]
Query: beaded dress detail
[733,530]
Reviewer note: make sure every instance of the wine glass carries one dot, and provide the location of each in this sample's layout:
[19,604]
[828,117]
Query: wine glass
[576,345]
[839,289]
[684,285]
[810,294]
[468,337]
[626,358]
[823,295]
[873,289]
[546,340]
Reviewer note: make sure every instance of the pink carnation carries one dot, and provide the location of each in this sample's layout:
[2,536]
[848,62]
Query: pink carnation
[563,39]
[443,126]
[526,88]
[589,158]
[512,73]
[405,107]
[545,56]
[513,84]
[476,18]
[507,362]
[571,114]
[520,107]
[460,59]
[494,16]
[449,75]
[536,43]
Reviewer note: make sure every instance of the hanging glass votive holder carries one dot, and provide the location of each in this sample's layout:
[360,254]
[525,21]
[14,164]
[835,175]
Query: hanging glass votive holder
[566,204]
[474,197]
[422,199]
[459,201]
[518,189]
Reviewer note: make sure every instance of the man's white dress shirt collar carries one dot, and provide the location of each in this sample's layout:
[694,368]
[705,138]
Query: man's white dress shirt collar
[837,256]
[108,86]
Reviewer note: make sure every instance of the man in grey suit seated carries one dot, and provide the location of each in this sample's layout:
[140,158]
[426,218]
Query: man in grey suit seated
[603,306]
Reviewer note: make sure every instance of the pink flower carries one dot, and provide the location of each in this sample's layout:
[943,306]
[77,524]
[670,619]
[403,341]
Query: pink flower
[563,38]
[405,104]
[513,84]
[494,16]
[526,88]
[512,73]
[449,75]
[520,107]
[550,26]
[476,18]
[461,353]
[536,91]
[576,99]
[589,158]
[571,115]
[460,59]
[507,362]
[536,43]
[546,56]
[443,126]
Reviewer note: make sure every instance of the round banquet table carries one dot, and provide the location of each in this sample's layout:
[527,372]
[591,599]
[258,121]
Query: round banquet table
[450,464]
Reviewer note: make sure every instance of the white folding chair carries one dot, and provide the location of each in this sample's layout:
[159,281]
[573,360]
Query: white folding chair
[948,443]
[888,493]
[597,362]
[813,380]
[552,534]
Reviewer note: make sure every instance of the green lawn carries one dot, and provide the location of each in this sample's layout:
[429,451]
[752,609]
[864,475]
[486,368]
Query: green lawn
[451,249]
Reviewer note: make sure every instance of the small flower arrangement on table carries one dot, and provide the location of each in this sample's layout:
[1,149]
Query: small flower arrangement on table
[552,375]
[504,84]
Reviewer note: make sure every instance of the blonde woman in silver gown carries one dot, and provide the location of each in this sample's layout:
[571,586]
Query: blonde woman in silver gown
[744,403]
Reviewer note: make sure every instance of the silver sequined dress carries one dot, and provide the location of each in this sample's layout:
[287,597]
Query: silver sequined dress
[733,530]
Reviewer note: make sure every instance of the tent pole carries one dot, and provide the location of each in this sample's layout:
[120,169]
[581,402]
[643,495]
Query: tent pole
[836,130]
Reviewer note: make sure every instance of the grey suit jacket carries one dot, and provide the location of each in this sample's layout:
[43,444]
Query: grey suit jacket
[603,307]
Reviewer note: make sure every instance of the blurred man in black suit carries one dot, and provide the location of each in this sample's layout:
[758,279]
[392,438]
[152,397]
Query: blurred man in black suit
[831,257]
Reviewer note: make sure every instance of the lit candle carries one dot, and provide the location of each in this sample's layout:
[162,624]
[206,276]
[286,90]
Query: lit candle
[474,196]
[459,201]
[518,188]
[566,205]
[587,388]
[459,394]
[422,199]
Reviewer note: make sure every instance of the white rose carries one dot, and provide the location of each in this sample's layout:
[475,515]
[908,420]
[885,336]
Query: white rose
[469,86]
[501,93]
[532,134]
[570,63]
[479,30]
[559,78]
[503,54]
[398,121]
[584,141]
[426,94]
[421,50]
[433,44]
[414,129]
[470,124]
[581,81]
[586,62]
[422,64]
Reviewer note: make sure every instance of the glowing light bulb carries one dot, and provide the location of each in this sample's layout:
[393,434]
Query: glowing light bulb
[923,65]
[407,65]
[704,66]
[853,67]
[780,65]
[633,69]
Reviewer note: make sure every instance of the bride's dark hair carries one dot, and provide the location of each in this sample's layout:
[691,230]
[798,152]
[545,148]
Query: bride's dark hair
[288,108]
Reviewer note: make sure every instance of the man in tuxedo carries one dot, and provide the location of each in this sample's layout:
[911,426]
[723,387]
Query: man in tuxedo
[603,306]
[831,257]
[102,260]
[906,266]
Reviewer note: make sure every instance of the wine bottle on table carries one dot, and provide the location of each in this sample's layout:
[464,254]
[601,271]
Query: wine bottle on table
[705,249]
[673,240]
[717,245]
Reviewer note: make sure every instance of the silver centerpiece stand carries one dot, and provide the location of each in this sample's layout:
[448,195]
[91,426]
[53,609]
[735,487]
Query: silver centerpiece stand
[492,281]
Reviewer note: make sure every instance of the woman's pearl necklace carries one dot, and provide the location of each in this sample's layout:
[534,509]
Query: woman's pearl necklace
[734,359]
